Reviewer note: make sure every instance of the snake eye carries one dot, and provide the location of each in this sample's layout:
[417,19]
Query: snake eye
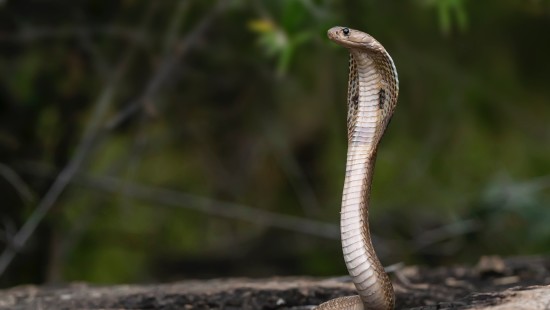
[345,31]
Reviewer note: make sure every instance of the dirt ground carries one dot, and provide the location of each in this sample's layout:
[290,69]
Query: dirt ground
[494,283]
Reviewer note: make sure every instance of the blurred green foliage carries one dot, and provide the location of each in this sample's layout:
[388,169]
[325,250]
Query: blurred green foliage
[244,102]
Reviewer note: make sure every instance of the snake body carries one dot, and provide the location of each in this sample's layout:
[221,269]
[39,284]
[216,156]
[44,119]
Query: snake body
[372,97]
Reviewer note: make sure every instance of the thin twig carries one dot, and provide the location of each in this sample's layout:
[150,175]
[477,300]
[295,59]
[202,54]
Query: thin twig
[84,147]
[294,173]
[140,136]
[446,232]
[175,23]
[62,180]
[32,34]
[7,231]
[167,67]
[22,189]
[202,204]
[99,63]
[215,207]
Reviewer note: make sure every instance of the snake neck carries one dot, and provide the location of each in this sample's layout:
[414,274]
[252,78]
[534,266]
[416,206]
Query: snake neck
[365,109]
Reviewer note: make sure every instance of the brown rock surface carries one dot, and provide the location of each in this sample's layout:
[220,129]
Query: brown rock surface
[495,283]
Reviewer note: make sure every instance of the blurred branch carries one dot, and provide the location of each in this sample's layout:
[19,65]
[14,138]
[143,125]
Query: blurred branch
[511,194]
[31,34]
[65,176]
[99,62]
[83,148]
[141,137]
[316,10]
[172,33]
[501,101]
[294,173]
[22,189]
[203,204]
[169,63]
[215,207]
[449,231]
[7,231]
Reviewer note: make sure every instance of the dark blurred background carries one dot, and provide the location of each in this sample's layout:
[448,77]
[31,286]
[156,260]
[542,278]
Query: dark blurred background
[145,141]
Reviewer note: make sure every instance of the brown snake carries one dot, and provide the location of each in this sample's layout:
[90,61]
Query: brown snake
[372,97]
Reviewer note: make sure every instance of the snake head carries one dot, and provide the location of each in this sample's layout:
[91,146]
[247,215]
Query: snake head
[353,39]
[384,83]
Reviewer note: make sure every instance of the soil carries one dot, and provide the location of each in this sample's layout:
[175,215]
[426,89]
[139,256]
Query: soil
[494,283]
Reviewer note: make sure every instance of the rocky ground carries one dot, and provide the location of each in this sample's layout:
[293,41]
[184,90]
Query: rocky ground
[494,283]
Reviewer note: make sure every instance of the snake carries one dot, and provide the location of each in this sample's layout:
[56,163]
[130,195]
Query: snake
[372,98]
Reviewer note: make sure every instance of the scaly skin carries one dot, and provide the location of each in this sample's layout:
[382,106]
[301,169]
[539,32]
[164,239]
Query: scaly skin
[372,97]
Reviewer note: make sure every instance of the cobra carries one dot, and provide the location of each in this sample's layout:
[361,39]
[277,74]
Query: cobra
[372,98]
